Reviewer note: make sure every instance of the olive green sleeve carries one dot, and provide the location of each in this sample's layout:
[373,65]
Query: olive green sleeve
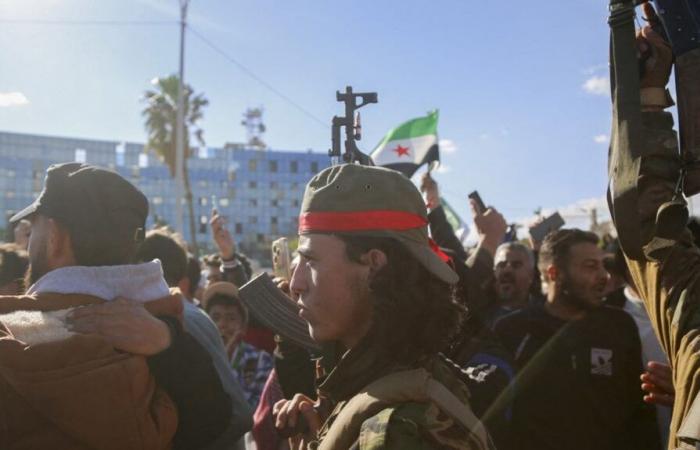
[668,277]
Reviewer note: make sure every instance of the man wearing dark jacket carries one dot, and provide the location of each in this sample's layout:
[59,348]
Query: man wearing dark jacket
[579,362]
[63,390]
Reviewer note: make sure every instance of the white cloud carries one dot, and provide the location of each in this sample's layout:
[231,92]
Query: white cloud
[8,99]
[601,139]
[484,136]
[447,146]
[597,85]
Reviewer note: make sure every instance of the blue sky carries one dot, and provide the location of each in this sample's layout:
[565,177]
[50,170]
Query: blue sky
[521,89]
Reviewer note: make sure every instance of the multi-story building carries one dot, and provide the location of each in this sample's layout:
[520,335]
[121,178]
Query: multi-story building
[258,191]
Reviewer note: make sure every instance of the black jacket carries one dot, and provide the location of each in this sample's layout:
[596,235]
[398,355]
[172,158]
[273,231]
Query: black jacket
[578,383]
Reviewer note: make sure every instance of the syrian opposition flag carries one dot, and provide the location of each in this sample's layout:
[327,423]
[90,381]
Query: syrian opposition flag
[409,146]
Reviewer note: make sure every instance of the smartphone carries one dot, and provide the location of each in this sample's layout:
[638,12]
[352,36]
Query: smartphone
[281,260]
[542,229]
[480,206]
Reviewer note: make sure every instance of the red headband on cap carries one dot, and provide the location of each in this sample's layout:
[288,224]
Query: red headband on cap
[359,220]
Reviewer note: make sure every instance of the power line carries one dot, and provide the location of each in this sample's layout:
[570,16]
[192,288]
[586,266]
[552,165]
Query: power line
[70,22]
[210,44]
[255,77]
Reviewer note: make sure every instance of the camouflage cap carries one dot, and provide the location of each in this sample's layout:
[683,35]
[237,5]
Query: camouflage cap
[371,201]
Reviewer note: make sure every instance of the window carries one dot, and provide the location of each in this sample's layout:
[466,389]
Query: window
[253,202]
[261,238]
[223,202]
[294,166]
[314,167]
[274,203]
[272,166]
[273,220]
[239,228]
[273,185]
[120,153]
[253,219]
[157,200]
[295,203]
[80,155]
[231,174]
[203,201]
[253,184]
[203,221]
[143,160]
[252,165]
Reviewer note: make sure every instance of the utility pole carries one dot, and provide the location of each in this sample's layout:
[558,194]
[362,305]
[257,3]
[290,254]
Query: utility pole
[180,125]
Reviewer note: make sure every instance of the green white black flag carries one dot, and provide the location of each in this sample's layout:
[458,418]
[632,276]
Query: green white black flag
[409,146]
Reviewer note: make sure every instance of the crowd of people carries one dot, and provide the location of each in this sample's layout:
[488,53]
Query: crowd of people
[113,336]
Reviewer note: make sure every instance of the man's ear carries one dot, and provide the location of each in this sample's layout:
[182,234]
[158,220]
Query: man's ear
[59,246]
[551,273]
[375,259]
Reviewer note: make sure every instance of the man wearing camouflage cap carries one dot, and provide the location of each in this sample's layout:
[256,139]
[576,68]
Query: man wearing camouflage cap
[370,284]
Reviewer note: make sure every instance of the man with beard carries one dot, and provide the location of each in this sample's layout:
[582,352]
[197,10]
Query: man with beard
[579,362]
[514,270]
[63,390]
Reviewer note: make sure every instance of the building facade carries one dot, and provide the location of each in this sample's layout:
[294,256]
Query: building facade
[258,191]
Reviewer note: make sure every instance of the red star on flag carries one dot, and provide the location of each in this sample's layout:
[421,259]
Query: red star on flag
[401,151]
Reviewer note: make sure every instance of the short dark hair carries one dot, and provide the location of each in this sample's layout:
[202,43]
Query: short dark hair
[557,244]
[95,248]
[13,264]
[166,246]
[416,314]
[227,300]
[193,273]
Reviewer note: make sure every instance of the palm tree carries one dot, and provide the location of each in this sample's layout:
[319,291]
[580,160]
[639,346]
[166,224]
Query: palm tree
[160,114]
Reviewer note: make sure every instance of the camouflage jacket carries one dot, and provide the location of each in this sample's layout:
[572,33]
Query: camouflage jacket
[396,424]
[668,277]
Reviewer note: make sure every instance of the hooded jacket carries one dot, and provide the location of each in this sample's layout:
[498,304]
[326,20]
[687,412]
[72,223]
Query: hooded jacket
[60,390]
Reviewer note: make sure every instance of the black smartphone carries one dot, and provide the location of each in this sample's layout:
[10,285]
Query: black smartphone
[542,229]
[480,206]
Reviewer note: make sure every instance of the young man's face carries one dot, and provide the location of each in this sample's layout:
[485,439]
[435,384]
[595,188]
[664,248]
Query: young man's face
[584,280]
[514,272]
[333,291]
[228,320]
